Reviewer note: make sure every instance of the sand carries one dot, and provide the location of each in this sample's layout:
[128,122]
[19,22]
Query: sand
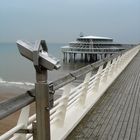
[10,121]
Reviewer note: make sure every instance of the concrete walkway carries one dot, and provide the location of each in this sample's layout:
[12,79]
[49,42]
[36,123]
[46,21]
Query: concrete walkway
[116,116]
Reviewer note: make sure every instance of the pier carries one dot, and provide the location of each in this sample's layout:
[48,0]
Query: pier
[116,116]
[91,49]
[105,106]
[88,54]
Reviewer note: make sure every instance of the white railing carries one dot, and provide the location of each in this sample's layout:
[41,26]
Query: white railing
[74,103]
[90,50]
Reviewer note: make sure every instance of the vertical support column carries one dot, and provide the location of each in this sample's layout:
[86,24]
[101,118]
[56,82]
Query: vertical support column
[82,57]
[63,57]
[42,106]
[74,56]
[100,56]
[66,57]
[90,58]
[70,57]
[86,58]
[95,57]
[82,98]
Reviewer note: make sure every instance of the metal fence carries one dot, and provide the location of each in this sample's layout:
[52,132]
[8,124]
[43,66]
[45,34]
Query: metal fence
[75,102]
[91,50]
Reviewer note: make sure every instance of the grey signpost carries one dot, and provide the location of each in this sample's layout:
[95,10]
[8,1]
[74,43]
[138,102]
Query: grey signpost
[38,54]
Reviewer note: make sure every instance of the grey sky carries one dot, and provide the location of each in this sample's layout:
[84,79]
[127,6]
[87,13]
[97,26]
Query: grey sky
[63,20]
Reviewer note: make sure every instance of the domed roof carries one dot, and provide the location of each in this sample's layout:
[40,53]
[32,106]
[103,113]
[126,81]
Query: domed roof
[95,37]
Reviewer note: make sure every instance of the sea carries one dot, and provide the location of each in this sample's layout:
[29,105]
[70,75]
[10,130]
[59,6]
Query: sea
[17,74]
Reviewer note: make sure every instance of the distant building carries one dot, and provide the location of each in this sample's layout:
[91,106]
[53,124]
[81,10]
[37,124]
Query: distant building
[90,48]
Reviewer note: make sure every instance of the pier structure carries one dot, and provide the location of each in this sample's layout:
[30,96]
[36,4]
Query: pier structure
[91,49]
[105,106]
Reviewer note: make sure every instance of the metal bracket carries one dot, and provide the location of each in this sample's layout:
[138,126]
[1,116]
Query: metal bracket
[25,131]
[51,95]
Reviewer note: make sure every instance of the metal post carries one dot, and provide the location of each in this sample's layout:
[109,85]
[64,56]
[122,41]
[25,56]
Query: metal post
[42,106]
[34,131]
[42,62]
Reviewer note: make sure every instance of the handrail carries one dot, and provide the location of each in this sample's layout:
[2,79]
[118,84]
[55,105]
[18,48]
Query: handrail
[82,71]
[12,105]
[83,100]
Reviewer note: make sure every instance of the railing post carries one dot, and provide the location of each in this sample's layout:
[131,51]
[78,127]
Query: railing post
[111,69]
[105,74]
[23,119]
[117,65]
[82,98]
[63,108]
[97,79]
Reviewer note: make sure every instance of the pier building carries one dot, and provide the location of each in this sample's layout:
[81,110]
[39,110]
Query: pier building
[90,48]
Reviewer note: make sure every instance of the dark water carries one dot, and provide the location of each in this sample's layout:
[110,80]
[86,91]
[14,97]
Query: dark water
[16,71]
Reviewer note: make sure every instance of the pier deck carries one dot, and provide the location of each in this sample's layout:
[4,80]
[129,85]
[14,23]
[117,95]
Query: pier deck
[116,116]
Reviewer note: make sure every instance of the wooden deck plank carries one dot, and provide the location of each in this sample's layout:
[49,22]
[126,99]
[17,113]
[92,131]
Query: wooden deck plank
[100,113]
[110,119]
[123,115]
[110,106]
[131,116]
[138,125]
[135,122]
[97,114]
[124,112]
[116,116]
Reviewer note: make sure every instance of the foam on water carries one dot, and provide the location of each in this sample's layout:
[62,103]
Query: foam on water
[13,83]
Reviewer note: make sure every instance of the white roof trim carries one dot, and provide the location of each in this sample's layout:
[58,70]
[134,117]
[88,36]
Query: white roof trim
[94,37]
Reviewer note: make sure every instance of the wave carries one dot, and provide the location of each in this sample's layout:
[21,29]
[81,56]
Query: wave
[13,83]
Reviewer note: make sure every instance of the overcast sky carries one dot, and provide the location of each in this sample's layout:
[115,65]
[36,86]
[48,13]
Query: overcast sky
[62,20]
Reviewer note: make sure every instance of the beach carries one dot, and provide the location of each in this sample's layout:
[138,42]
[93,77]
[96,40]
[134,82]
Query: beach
[10,121]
